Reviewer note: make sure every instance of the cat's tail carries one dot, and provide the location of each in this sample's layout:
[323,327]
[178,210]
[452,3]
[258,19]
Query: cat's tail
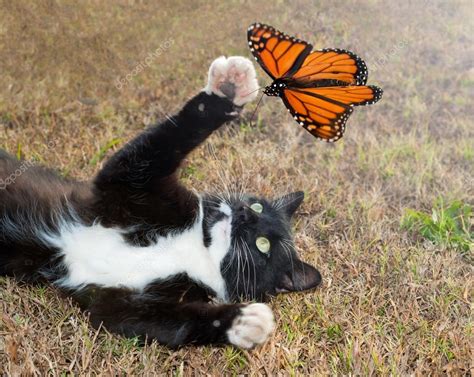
[34,204]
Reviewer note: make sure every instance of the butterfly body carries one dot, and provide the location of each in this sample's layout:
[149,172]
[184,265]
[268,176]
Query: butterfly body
[319,87]
[276,88]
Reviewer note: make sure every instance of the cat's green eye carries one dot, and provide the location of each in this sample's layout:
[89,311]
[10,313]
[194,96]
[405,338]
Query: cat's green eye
[263,244]
[257,207]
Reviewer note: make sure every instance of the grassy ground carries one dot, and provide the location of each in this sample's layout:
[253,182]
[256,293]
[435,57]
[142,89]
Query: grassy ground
[395,300]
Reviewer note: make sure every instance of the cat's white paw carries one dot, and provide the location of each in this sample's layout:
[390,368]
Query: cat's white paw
[253,326]
[234,78]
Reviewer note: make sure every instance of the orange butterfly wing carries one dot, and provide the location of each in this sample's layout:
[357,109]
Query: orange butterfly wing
[324,111]
[282,55]
[276,52]
[340,66]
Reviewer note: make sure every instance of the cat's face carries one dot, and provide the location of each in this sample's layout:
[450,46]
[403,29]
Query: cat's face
[260,259]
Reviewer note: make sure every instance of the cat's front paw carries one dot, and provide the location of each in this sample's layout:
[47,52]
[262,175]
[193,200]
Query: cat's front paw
[234,78]
[252,326]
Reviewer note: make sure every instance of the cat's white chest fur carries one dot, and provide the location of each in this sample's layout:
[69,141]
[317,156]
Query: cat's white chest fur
[98,255]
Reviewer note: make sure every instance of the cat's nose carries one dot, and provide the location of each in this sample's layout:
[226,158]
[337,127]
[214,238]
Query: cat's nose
[244,212]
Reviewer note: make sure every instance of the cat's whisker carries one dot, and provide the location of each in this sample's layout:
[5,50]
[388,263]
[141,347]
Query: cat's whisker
[247,262]
[242,271]
[238,271]
[289,242]
[287,245]
[245,289]
[249,252]
[171,119]
[237,276]
[222,175]
[216,203]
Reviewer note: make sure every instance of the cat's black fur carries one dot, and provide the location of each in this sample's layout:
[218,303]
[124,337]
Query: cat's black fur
[138,189]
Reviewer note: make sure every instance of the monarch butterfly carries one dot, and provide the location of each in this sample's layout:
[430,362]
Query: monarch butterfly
[318,87]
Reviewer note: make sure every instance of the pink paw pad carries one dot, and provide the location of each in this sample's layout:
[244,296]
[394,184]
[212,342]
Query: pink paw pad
[234,78]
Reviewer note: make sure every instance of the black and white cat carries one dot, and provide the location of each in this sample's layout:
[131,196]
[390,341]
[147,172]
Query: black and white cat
[144,255]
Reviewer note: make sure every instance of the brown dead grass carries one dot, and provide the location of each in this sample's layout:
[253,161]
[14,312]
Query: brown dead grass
[390,303]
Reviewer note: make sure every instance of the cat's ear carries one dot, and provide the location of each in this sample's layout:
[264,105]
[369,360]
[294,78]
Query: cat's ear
[289,202]
[301,277]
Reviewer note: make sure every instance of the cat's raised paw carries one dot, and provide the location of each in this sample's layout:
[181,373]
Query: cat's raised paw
[234,78]
[252,326]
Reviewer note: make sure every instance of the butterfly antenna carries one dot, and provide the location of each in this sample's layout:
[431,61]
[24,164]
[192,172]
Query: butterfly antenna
[256,107]
[253,91]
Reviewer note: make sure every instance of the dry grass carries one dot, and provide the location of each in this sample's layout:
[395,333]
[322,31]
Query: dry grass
[391,303]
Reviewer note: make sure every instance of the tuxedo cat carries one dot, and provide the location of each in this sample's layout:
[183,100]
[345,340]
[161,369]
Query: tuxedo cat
[144,255]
